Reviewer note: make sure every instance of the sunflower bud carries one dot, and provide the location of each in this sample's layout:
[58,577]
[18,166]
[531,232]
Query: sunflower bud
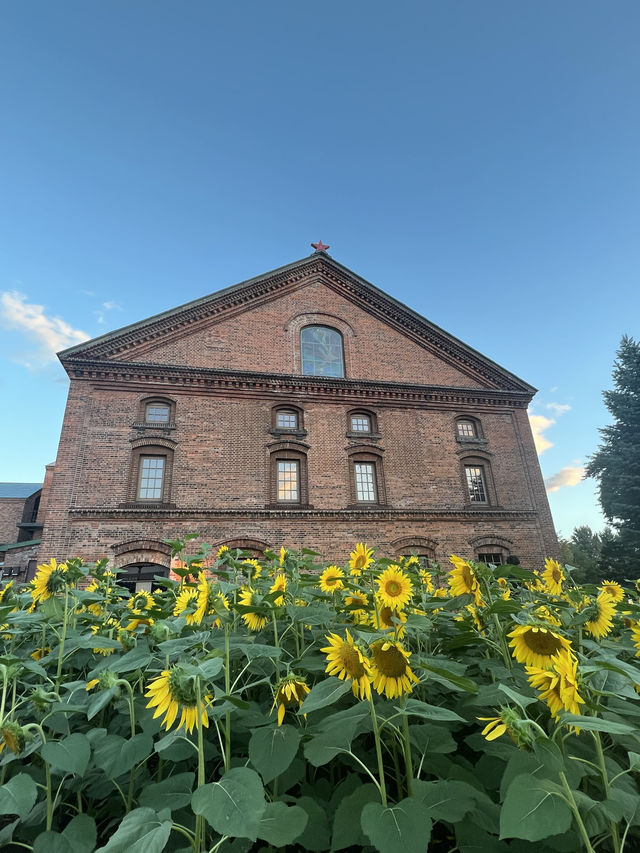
[12,736]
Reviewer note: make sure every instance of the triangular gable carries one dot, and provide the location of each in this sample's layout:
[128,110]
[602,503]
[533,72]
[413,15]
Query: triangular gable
[132,342]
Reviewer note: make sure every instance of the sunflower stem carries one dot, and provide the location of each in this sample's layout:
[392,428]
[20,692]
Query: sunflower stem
[5,684]
[407,749]
[576,813]
[376,735]
[47,773]
[227,689]
[65,619]
[199,833]
[615,833]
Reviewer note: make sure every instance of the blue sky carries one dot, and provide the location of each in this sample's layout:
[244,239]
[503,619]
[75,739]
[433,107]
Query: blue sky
[478,161]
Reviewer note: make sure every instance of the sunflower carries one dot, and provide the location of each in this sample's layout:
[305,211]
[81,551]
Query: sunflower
[345,660]
[249,598]
[283,555]
[13,737]
[173,690]
[255,570]
[495,727]
[49,578]
[545,615]
[209,600]
[141,603]
[635,637]
[222,550]
[613,589]
[187,605]
[386,618]
[440,592]
[5,592]
[534,645]
[463,581]
[392,675]
[40,653]
[360,559]
[331,579]
[558,685]
[279,585]
[290,691]
[603,622]
[394,588]
[503,583]
[358,601]
[426,580]
[553,576]
[107,626]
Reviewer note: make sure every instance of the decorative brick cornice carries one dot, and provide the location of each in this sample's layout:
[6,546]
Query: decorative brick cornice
[249,383]
[140,513]
[319,267]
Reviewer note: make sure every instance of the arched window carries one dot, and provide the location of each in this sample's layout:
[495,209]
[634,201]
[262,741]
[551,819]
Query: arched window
[287,419]
[361,423]
[366,476]
[157,412]
[321,351]
[288,474]
[477,477]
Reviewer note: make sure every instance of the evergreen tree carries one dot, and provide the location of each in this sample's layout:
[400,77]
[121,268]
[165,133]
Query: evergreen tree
[616,463]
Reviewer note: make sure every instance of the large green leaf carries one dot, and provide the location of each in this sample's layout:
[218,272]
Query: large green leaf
[18,795]
[141,831]
[416,708]
[233,806]
[596,724]
[405,826]
[532,810]
[138,658]
[431,738]
[316,835]
[70,755]
[335,734]
[79,836]
[325,693]
[281,824]
[272,749]
[347,831]
[445,800]
[117,755]
[445,676]
[172,793]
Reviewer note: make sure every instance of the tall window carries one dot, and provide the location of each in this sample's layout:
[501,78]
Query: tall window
[476,483]
[321,351]
[288,486]
[151,478]
[365,477]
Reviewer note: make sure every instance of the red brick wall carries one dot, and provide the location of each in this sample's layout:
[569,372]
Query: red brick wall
[221,463]
[266,338]
[10,515]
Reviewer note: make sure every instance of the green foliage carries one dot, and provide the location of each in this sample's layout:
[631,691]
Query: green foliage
[203,723]
[616,463]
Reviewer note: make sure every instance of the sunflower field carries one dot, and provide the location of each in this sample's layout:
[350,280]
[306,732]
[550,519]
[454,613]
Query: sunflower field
[256,705]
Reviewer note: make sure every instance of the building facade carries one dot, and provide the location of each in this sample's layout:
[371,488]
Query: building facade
[304,407]
[20,528]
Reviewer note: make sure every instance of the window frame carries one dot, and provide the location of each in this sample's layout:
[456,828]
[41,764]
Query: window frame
[476,425]
[333,329]
[287,451]
[371,481]
[481,460]
[157,400]
[279,431]
[144,457]
[364,454]
[147,448]
[282,481]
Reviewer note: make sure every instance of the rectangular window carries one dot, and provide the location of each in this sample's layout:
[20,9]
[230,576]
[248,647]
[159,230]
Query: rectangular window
[288,481]
[151,478]
[287,420]
[496,559]
[476,484]
[360,423]
[466,429]
[365,476]
[158,414]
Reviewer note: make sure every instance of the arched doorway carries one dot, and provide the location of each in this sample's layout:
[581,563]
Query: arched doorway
[140,561]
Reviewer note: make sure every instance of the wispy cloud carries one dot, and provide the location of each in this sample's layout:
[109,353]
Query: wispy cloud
[539,425]
[106,306]
[49,334]
[570,475]
[559,408]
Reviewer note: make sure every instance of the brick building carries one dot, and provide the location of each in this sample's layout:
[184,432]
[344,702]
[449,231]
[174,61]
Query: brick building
[20,527]
[303,407]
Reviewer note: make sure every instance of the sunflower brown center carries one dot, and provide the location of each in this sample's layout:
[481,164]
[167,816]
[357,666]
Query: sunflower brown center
[331,580]
[390,661]
[359,561]
[542,642]
[351,663]
[393,588]
[556,574]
